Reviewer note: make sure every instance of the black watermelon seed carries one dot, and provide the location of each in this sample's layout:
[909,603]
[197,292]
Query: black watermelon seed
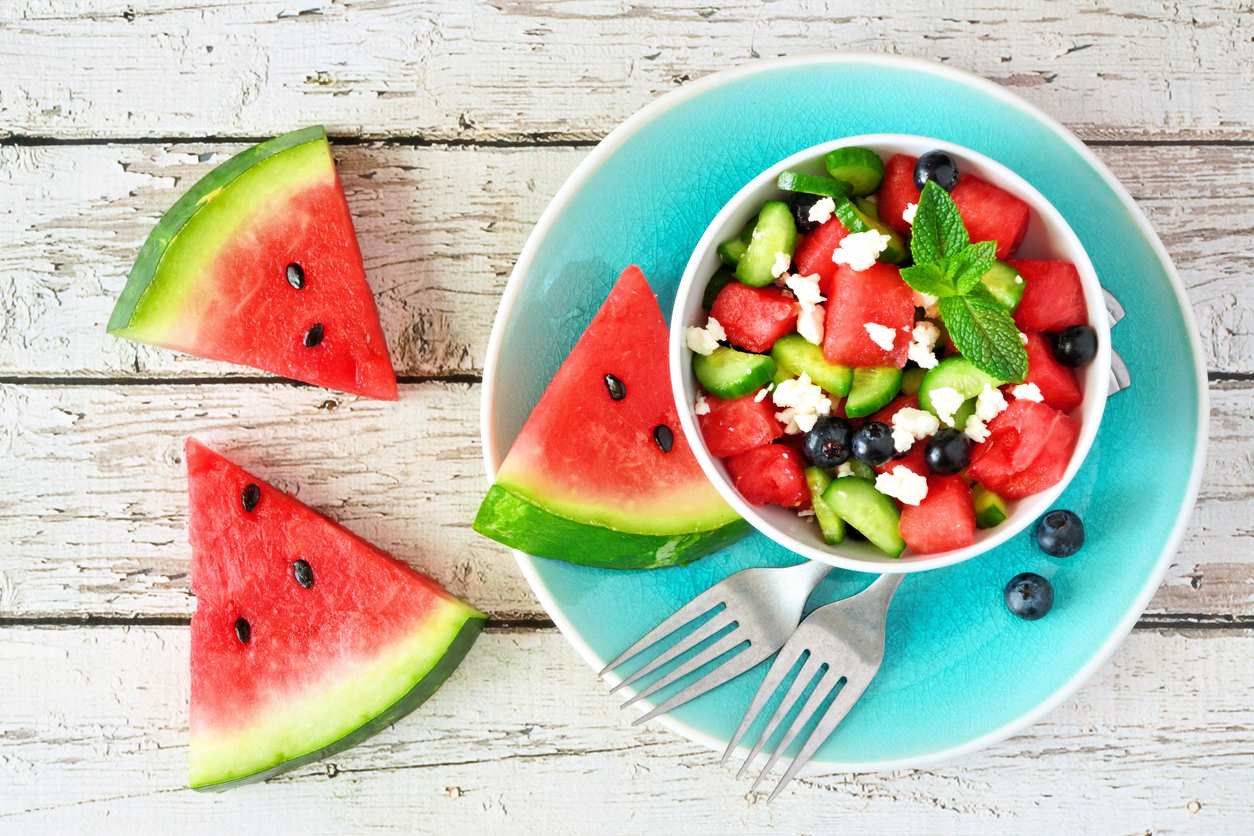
[314,335]
[617,390]
[242,631]
[303,573]
[250,496]
[296,276]
[664,437]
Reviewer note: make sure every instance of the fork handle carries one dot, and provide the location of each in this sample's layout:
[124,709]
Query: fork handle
[808,575]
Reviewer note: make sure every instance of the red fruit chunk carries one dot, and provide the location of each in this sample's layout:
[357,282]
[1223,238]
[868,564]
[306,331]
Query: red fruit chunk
[732,427]
[991,214]
[1027,451]
[1053,298]
[1057,383]
[856,297]
[754,317]
[943,521]
[814,252]
[897,191]
[911,461]
[772,473]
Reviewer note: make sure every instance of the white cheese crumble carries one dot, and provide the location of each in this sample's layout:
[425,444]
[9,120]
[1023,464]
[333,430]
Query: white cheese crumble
[806,288]
[716,329]
[1028,392]
[802,403]
[990,403]
[701,407]
[929,303]
[946,401]
[910,425]
[705,340]
[881,335]
[806,512]
[904,484]
[821,211]
[845,469]
[782,261]
[1023,338]
[922,342]
[908,214]
[760,396]
[810,323]
[1018,279]
[860,249]
[976,430]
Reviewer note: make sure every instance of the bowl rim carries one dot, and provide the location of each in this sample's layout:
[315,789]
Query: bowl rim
[1064,243]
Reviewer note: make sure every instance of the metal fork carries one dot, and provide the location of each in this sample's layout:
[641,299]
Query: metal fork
[846,638]
[762,605]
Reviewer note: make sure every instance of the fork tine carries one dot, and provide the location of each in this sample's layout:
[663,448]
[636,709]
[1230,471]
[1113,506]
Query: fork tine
[703,603]
[730,669]
[779,669]
[821,691]
[709,628]
[718,648]
[804,677]
[835,713]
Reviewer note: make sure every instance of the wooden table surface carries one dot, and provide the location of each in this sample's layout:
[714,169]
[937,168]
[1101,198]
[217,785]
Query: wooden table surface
[454,123]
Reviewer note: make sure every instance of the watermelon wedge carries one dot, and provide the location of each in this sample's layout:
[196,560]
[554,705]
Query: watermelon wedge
[258,265]
[306,639]
[588,480]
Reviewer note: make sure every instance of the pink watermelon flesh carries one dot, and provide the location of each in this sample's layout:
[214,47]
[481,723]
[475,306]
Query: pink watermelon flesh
[991,213]
[943,521]
[856,297]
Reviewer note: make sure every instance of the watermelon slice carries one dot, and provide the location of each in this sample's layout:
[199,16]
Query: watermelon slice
[258,265]
[587,479]
[291,663]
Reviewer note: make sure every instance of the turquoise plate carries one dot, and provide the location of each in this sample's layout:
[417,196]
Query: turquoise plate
[959,671]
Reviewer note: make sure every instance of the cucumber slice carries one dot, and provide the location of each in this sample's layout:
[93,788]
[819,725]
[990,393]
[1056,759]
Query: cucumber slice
[729,374]
[872,389]
[732,251]
[781,374]
[795,181]
[911,379]
[796,354]
[862,470]
[868,208]
[833,526]
[1005,283]
[960,374]
[861,168]
[854,220]
[775,232]
[857,502]
[721,279]
[990,509]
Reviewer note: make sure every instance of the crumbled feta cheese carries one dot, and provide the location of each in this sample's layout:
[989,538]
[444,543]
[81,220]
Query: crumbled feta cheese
[789,419]
[860,249]
[904,484]
[910,425]
[1018,279]
[760,396]
[810,323]
[976,429]
[821,211]
[845,469]
[1023,338]
[700,340]
[802,401]
[1028,392]
[881,335]
[907,214]
[946,401]
[716,329]
[923,341]
[806,288]
[929,303]
[990,403]
[701,407]
[782,261]
[806,512]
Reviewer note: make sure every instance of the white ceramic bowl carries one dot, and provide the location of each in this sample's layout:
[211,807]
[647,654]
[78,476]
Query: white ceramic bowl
[1048,237]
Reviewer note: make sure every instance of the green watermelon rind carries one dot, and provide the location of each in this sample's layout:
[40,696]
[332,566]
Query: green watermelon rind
[421,690]
[521,523]
[173,221]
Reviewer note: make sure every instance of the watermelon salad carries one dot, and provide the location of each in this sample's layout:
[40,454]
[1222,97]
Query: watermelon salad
[876,358]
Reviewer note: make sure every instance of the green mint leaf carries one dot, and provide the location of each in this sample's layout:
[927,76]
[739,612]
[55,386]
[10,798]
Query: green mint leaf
[984,332]
[937,231]
[929,279]
[968,265]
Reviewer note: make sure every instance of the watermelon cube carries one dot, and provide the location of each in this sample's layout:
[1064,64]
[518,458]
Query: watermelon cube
[912,460]
[1027,450]
[991,214]
[943,521]
[898,191]
[734,426]
[857,297]
[754,317]
[772,473]
[814,252]
[1057,383]
[1053,297]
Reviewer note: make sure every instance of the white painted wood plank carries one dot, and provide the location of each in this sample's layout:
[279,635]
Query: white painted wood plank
[523,739]
[440,229]
[93,516]
[575,68]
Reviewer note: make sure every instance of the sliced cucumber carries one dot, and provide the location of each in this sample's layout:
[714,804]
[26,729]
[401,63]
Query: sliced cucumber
[729,374]
[775,232]
[961,375]
[857,502]
[861,168]
[722,278]
[1005,283]
[872,390]
[990,509]
[796,354]
[862,470]
[867,207]
[795,181]
[732,251]
[854,220]
[833,526]
[781,374]
[911,380]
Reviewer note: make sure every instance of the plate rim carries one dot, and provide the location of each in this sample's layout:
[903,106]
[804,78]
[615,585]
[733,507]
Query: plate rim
[643,116]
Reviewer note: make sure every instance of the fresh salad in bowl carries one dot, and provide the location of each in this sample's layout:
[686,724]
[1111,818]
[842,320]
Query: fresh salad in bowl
[893,350]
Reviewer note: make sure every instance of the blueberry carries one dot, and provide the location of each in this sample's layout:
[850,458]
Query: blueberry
[947,452]
[1060,533]
[873,443]
[1075,346]
[1029,596]
[800,203]
[829,443]
[938,166]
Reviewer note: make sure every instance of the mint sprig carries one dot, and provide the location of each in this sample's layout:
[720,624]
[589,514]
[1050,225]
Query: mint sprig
[949,266]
